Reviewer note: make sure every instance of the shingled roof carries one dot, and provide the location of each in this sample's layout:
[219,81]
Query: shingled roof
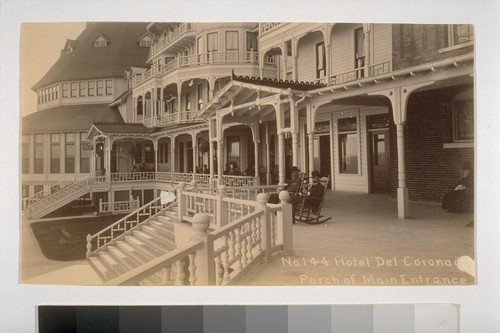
[89,62]
[70,118]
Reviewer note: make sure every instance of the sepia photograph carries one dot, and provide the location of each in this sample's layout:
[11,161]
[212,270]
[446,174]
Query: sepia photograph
[248,154]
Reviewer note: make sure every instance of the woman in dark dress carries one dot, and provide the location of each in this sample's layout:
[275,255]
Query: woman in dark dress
[460,198]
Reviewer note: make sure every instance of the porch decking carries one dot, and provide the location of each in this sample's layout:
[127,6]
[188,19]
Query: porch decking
[365,228]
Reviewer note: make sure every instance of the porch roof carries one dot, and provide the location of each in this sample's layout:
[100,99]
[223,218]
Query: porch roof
[69,118]
[244,91]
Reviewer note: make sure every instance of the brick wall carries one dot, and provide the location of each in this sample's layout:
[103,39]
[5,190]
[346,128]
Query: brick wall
[415,44]
[430,168]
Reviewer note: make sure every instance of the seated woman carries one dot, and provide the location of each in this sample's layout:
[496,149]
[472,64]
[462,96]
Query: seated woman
[460,197]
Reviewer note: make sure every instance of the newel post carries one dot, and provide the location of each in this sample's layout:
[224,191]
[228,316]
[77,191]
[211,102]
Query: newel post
[204,260]
[221,213]
[89,246]
[100,206]
[194,185]
[284,224]
[181,202]
[265,226]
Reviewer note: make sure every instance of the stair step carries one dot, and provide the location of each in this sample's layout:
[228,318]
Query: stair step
[160,234]
[164,222]
[151,240]
[149,245]
[109,261]
[124,258]
[141,247]
[136,253]
[100,269]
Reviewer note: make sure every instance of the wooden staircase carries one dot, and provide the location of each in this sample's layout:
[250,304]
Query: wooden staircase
[136,248]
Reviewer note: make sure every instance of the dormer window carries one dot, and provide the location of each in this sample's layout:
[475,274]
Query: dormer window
[100,41]
[146,40]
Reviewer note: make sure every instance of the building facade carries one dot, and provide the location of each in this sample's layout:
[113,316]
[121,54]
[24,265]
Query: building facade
[381,108]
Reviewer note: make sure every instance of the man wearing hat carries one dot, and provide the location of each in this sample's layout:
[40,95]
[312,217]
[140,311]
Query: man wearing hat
[292,187]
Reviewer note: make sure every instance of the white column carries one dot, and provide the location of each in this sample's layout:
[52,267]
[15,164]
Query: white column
[281,157]
[195,153]
[403,203]
[155,150]
[172,155]
[295,149]
[268,157]
[310,138]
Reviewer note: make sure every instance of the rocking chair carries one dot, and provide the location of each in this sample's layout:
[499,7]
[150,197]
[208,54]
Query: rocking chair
[307,209]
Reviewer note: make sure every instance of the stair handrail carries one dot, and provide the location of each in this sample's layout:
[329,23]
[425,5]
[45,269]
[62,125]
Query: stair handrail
[45,193]
[62,192]
[126,224]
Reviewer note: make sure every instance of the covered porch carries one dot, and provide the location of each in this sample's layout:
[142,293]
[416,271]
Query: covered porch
[365,229]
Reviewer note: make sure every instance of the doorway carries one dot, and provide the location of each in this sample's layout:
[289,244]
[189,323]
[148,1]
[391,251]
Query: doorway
[325,157]
[379,161]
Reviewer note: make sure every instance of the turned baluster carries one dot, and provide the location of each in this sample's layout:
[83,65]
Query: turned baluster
[180,275]
[192,269]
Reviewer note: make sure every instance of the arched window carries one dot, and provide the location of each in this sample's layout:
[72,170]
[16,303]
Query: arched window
[139,108]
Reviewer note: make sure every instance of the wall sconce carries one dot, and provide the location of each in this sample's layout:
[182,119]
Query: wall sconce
[147,149]
[191,83]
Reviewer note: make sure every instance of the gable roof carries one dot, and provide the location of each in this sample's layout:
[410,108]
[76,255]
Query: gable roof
[69,118]
[89,62]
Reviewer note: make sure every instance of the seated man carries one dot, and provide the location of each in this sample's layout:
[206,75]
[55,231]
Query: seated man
[460,197]
[292,187]
[315,191]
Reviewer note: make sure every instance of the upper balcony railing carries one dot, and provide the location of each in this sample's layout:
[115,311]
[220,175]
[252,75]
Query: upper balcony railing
[168,39]
[267,26]
[358,73]
[204,59]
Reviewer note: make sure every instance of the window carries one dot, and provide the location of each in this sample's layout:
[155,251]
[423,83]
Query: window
[83,88]
[288,45]
[38,153]
[212,43]
[146,42]
[55,153]
[149,154]
[57,91]
[91,88]
[359,52]
[188,101]
[85,151]
[232,41]
[26,153]
[320,60]
[69,153]
[252,41]
[199,96]
[163,153]
[38,188]
[460,34]
[100,88]
[109,87]
[65,90]
[26,191]
[463,117]
[74,89]
[139,109]
[348,145]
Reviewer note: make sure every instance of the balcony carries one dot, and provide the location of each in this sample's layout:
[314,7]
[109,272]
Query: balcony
[160,113]
[185,30]
[356,74]
[206,59]
[268,26]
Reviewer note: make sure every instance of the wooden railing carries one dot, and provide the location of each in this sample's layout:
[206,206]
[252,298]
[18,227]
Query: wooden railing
[51,189]
[225,256]
[236,181]
[132,176]
[125,225]
[196,60]
[359,73]
[119,206]
[169,38]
